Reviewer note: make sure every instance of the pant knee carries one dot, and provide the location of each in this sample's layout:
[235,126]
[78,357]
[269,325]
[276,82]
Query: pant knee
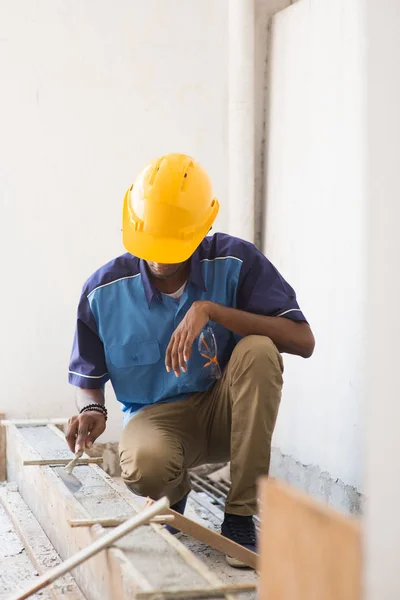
[149,469]
[259,354]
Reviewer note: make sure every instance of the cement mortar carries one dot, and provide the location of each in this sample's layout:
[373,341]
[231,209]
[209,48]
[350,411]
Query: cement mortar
[16,570]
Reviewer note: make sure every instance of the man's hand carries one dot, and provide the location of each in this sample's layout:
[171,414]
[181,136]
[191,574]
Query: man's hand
[84,429]
[181,343]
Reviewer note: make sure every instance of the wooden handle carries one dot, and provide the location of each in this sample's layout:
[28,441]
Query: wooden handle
[70,466]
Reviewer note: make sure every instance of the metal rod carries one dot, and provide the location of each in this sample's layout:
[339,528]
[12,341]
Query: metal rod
[221,486]
[199,487]
[205,503]
[203,485]
[208,483]
[209,486]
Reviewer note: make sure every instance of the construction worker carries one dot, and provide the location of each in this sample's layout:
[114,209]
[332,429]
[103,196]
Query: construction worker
[189,329]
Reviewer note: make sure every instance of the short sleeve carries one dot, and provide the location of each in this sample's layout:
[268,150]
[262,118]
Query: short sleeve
[87,367]
[262,290]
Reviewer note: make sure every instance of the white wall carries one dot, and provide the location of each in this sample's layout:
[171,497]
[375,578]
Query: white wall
[382,327]
[90,90]
[315,225]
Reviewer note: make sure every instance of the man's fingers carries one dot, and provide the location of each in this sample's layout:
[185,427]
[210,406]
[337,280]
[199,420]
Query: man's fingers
[181,353]
[81,439]
[171,355]
[92,425]
[178,351]
[168,362]
[72,431]
[187,348]
[95,430]
[85,425]
[84,429]
[175,356]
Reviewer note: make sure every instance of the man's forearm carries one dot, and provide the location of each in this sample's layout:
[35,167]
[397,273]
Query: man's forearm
[85,397]
[289,336]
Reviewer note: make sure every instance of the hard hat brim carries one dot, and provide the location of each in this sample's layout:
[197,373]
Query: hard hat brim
[161,250]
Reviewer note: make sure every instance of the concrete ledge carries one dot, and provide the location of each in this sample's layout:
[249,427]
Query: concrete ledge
[317,483]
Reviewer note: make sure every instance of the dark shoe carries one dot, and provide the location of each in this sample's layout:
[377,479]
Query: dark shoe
[241,530]
[178,507]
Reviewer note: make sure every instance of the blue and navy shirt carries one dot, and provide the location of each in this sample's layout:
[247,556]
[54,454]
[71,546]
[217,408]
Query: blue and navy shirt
[124,323]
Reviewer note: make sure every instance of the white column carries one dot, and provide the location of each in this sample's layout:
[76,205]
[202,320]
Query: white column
[241,118]
[382,520]
[264,12]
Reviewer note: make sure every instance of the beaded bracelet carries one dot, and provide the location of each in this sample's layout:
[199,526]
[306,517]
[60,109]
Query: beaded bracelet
[96,408]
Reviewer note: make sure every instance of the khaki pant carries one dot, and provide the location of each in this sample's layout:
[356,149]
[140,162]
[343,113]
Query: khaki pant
[232,421]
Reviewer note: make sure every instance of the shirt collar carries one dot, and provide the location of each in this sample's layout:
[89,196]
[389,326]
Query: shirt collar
[195,277]
[150,289]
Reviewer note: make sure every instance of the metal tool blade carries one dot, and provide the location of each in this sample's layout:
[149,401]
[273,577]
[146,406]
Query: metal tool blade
[70,480]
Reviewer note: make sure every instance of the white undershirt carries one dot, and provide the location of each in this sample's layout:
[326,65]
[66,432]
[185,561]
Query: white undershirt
[178,294]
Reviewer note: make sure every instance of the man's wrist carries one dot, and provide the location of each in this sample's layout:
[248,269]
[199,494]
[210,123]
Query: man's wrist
[212,309]
[95,407]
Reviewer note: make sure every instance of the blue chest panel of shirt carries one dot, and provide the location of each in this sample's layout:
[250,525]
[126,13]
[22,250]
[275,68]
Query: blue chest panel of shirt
[135,335]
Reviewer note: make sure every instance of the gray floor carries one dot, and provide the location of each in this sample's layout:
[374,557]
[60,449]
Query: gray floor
[16,569]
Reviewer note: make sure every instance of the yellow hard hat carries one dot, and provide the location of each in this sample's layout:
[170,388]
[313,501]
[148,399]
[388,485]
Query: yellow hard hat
[168,210]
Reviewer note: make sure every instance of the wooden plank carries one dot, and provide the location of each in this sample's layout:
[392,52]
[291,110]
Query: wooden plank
[216,592]
[37,545]
[308,551]
[214,539]
[114,521]
[33,422]
[3,470]
[62,461]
